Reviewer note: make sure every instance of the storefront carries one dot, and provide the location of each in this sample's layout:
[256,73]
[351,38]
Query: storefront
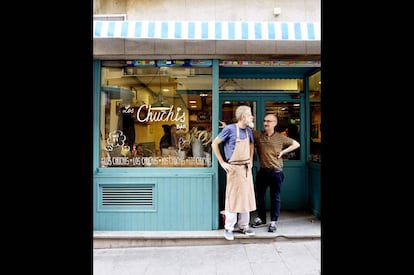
[140,183]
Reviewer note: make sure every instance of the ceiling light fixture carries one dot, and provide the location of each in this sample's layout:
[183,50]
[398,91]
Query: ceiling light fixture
[160,104]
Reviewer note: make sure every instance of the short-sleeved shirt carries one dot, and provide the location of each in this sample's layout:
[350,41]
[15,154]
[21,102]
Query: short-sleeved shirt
[269,148]
[228,137]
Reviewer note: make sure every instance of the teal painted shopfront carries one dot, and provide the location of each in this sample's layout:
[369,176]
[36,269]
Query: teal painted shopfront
[139,185]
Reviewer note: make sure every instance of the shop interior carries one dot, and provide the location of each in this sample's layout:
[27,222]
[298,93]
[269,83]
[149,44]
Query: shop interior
[146,95]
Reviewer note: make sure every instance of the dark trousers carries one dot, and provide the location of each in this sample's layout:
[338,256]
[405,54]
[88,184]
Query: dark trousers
[273,179]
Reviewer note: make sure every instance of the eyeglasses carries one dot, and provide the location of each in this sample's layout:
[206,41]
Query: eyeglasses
[269,120]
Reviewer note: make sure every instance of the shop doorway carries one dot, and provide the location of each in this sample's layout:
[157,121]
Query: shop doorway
[290,110]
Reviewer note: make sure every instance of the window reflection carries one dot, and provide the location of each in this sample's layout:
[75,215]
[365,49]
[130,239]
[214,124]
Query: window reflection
[288,114]
[155,116]
[229,110]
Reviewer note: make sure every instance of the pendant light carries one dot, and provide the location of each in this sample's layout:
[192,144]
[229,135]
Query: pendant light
[160,104]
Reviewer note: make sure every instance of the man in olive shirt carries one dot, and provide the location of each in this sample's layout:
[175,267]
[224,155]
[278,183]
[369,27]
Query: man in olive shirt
[271,146]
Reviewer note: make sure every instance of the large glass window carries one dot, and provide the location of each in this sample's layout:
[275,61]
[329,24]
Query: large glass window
[315,117]
[156,113]
[288,117]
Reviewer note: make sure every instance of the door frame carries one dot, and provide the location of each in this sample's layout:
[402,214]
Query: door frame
[260,98]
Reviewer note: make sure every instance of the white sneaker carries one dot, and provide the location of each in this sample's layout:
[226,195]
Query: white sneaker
[272,226]
[228,235]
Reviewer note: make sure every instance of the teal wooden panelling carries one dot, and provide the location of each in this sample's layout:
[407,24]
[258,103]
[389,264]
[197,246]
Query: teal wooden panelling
[181,203]
[294,191]
[315,188]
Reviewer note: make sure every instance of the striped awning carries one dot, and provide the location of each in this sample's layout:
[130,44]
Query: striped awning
[211,30]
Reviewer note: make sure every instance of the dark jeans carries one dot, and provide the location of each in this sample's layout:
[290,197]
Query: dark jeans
[273,179]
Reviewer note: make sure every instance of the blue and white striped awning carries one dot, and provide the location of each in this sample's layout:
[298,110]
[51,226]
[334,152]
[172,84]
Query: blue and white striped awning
[190,30]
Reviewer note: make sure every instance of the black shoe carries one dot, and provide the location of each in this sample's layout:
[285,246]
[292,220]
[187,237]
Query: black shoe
[272,226]
[258,223]
[247,231]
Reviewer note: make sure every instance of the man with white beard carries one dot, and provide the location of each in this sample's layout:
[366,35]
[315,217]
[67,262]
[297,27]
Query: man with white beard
[238,142]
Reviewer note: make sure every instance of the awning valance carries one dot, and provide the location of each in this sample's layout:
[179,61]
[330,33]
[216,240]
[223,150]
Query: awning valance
[211,30]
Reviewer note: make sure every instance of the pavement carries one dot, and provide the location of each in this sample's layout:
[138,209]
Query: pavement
[295,248]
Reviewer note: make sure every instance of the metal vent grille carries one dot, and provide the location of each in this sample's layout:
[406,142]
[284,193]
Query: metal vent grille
[109,17]
[128,196]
